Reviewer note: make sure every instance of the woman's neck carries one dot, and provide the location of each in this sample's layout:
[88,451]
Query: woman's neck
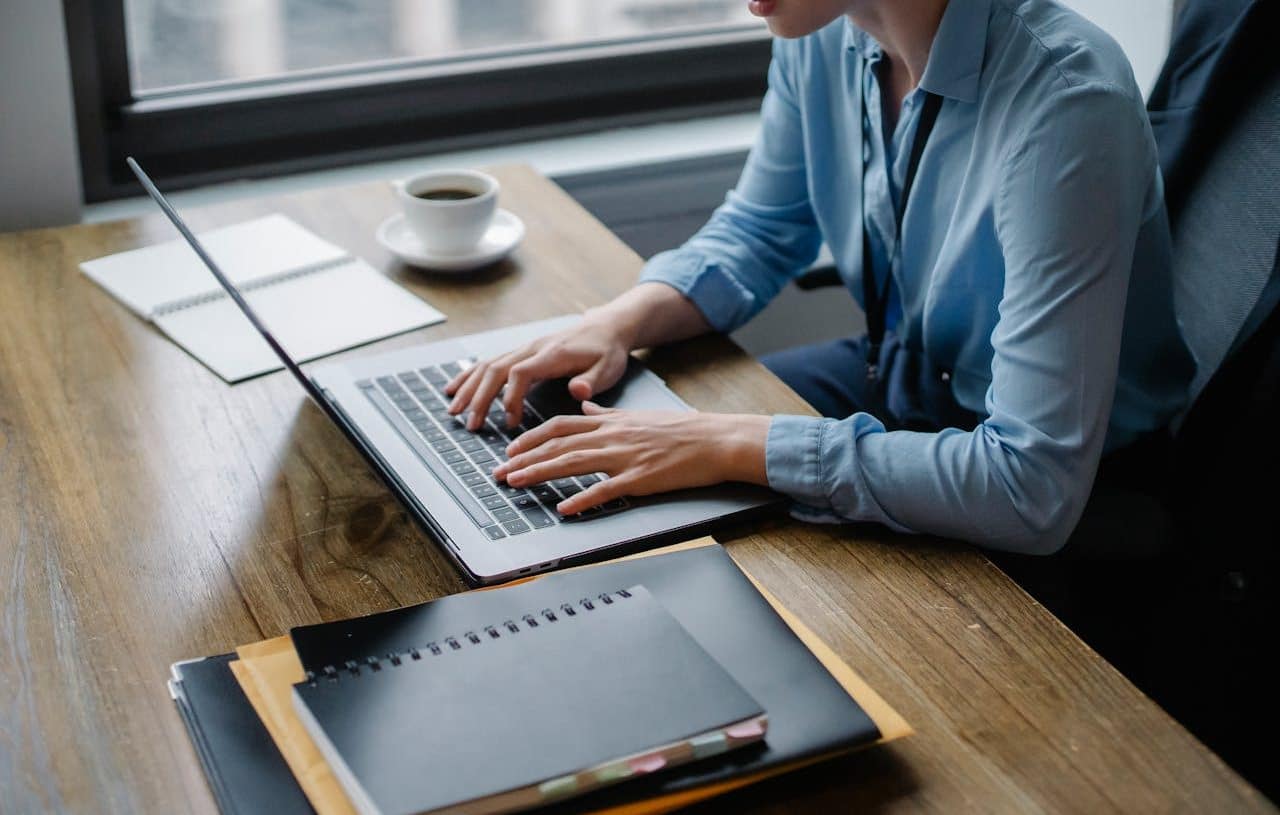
[905,31]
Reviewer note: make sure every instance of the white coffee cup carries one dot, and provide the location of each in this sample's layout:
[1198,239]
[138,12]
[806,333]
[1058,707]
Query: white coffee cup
[449,210]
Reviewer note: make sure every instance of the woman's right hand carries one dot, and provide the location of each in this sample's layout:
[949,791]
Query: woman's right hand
[593,352]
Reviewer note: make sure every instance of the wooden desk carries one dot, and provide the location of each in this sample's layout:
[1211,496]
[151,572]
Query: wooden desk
[150,513]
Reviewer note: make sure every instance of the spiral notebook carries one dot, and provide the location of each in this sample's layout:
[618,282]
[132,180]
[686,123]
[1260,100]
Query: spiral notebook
[316,297]
[527,710]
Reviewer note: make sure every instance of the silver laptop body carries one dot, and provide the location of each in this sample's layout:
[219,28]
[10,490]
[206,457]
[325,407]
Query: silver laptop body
[492,535]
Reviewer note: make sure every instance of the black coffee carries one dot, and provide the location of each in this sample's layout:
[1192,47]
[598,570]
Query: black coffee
[447,194]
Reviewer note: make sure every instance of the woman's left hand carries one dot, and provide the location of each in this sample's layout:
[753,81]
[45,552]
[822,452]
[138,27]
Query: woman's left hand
[642,451]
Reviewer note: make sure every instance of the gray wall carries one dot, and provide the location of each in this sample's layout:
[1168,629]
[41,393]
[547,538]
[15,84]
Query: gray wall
[39,163]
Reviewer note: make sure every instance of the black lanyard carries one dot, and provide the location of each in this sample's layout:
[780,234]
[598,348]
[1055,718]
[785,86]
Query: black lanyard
[876,300]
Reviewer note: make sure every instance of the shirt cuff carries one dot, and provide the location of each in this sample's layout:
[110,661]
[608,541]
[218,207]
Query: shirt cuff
[723,301]
[793,459]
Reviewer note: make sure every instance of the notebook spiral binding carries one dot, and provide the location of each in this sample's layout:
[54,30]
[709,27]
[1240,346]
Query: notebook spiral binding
[373,664]
[220,294]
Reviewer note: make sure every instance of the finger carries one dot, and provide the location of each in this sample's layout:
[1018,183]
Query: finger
[473,376]
[467,389]
[484,394]
[590,408]
[459,383]
[599,377]
[557,427]
[452,385]
[547,364]
[599,493]
[574,462]
[520,378]
[545,452]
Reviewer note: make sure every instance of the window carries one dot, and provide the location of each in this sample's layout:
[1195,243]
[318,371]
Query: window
[201,90]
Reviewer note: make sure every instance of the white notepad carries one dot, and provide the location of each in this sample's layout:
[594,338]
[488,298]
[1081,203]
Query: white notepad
[315,297]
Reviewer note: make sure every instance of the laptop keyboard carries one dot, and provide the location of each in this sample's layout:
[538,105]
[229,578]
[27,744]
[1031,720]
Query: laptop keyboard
[415,404]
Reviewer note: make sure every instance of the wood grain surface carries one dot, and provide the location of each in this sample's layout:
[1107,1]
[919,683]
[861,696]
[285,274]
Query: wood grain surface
[150,513]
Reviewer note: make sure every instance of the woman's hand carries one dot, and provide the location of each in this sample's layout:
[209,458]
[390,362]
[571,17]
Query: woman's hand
[594,352]
[642,452]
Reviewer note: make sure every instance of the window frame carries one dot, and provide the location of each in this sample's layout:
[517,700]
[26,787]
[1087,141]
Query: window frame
[327,118]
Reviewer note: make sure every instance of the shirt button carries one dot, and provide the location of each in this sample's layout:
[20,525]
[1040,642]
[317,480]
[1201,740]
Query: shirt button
[946,376]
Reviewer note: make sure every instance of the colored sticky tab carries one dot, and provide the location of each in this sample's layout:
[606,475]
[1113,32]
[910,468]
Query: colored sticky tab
[709,745]
[613,772]
[558,787]
[753,729]
[647,764]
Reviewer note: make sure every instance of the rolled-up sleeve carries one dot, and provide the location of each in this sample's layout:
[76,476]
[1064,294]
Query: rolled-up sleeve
[764,234]
[1073,198]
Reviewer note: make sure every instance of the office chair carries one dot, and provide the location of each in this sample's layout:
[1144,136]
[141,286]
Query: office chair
[1174,572]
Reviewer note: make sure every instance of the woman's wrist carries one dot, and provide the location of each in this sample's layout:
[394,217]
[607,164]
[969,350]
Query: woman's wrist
[743,438]
[650,314]
[621,319]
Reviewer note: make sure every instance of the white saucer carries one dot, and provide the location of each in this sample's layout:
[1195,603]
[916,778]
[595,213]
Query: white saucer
[504,235]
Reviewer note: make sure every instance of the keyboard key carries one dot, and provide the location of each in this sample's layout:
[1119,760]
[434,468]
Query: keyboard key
[494,532]
[474,479]
[429,401]
[483,491]
[572,490]
[545,494]
[614,505]
[443,445]
[434,433]
[515,527]
[408,377]
[459,433]
[462,467]
[483,457]
[451,369]
[538,519]
[562,483]
[494,502]
[487,467]
[452,456]
[588,480]
[434,375]
[388,382]
[469,445]
[510,491]
[524,501]
[505,514]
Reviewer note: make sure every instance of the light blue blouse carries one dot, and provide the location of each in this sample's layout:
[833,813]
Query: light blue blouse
[1034,267]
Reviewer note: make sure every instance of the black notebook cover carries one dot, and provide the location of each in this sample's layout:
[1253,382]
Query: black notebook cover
[524,700]
[810,714]
[245,770]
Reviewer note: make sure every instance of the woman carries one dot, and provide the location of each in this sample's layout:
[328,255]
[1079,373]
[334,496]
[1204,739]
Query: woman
[1019,326]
